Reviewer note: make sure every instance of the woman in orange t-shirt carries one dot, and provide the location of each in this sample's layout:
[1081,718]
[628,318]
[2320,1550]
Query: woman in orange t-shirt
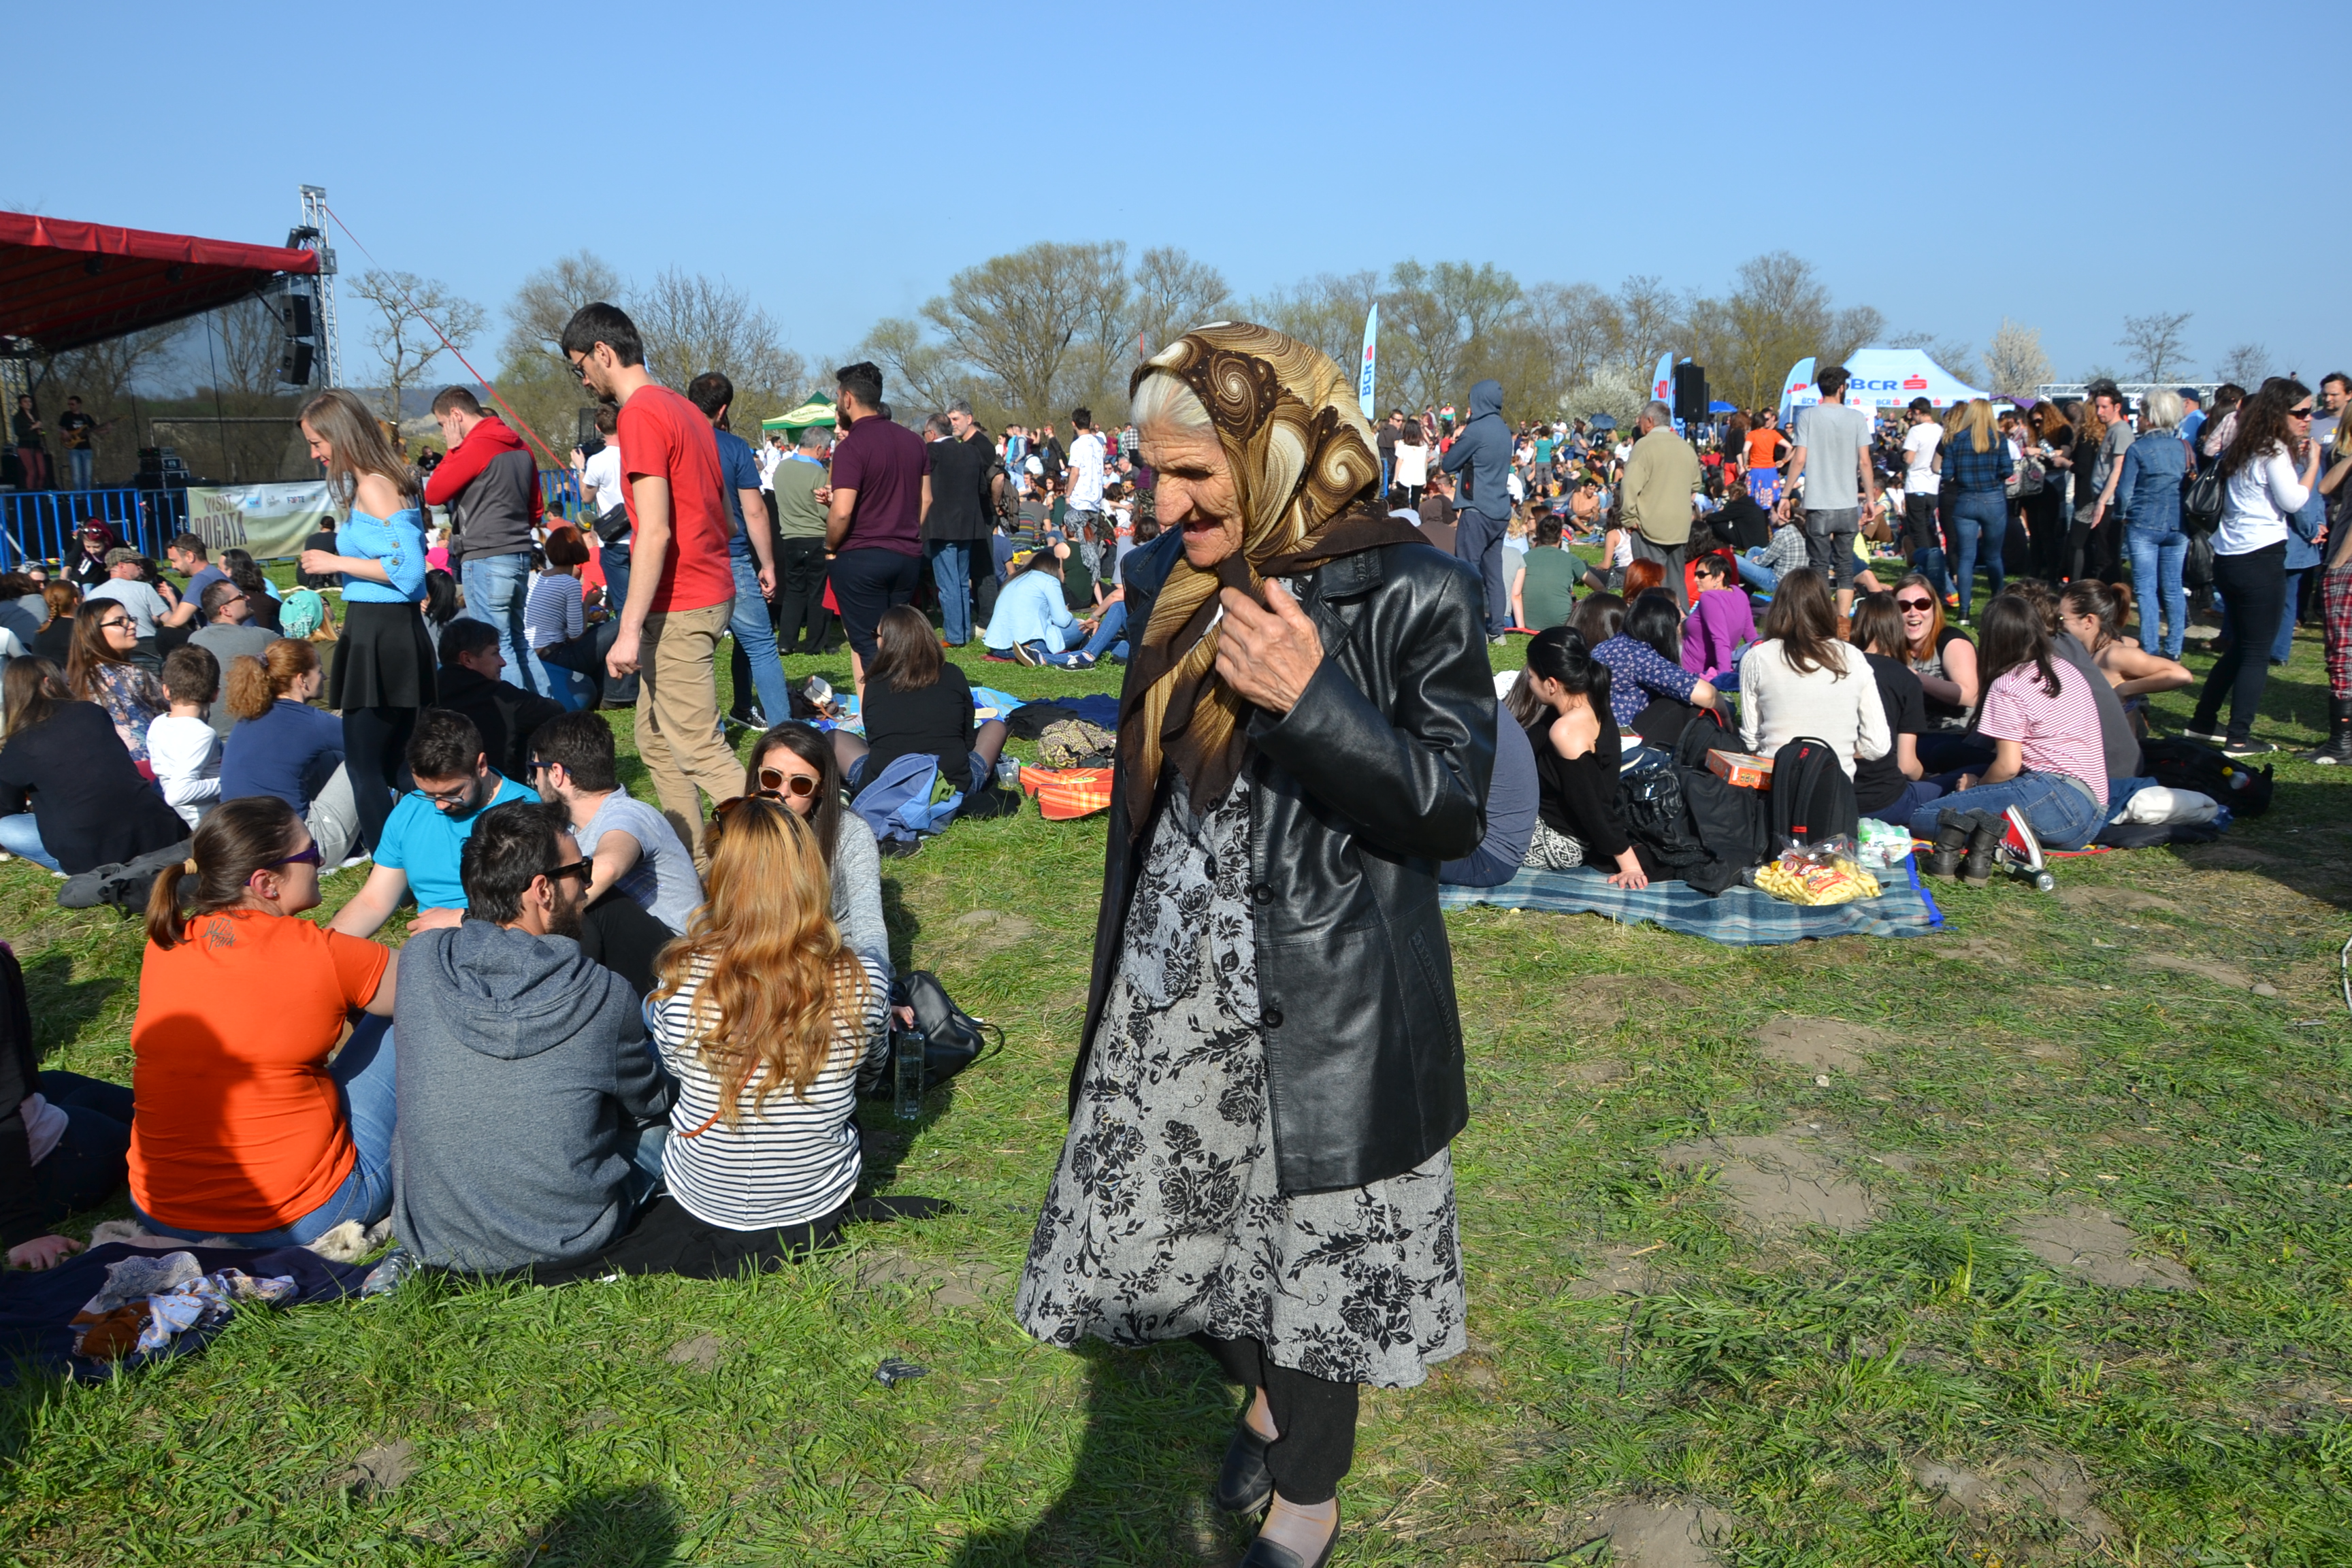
[243,1129]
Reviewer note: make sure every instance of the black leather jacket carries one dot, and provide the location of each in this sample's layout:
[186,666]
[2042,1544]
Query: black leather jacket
[1378,774]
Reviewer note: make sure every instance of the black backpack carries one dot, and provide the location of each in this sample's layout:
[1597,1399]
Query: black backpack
[2178,764]
[1812,798]
[1703,829]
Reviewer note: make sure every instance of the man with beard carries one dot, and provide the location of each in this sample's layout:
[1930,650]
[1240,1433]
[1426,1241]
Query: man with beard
[426,835]
[532,1118]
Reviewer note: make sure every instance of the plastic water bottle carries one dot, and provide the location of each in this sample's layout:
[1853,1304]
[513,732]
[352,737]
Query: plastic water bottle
[1008,773]
[911,1048]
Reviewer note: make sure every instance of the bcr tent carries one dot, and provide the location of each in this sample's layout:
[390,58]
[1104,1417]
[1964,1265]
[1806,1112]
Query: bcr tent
[1890,378]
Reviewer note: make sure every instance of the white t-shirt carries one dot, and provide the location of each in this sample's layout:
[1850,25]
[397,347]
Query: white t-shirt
[1919,445]
[1411,464]
[185,755]
[603,473]
[1087,471]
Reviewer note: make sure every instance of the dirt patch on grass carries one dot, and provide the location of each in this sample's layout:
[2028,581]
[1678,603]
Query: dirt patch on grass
[1979,950]
[2115,901]
[1816,1044]
[701,1352]
[2229,855]
[1778,1181]
[978,932]
[2093,1245]
[2005,1488]
[1651,1534]
[1593,1003]
[1630,1270]
[936,1284]
[382,1469]
[1594,1073]
[2212,969]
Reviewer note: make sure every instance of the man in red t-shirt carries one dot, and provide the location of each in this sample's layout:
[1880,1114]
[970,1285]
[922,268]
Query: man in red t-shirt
[681,585]
[880,491]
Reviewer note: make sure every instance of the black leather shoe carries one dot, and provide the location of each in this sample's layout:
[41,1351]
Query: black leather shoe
[1264,1554]
[1244,1483]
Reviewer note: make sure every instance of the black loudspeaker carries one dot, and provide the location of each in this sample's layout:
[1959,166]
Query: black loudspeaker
[298,315]
[587,439]
[294,365]
[1690,392]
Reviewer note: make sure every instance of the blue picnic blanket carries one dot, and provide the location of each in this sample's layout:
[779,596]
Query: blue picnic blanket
[1738,917]
[36,1308]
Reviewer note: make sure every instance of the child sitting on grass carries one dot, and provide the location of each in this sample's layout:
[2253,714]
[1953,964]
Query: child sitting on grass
[182,744]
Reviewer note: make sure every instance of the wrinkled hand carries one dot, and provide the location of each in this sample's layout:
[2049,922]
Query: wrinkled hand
[623,660]
[42,1252]
[436,919]
[1267,655]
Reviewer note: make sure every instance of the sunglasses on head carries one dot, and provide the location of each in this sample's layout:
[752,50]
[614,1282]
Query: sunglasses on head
[776,782]
[1914,604]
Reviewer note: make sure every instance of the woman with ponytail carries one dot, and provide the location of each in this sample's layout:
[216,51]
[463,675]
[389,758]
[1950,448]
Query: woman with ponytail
[243,1129]
[284,748]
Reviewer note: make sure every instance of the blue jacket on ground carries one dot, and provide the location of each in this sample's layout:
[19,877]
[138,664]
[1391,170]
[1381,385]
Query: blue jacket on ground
[1481,454]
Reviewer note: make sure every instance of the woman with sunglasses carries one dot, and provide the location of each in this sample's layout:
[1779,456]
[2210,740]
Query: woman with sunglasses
[2270,467]
[100,670]
[70,797]
[244,1128]
[1945,661]
[794,765]
[384,670]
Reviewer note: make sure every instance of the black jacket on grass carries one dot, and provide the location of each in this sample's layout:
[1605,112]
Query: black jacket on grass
[1357,794]
[93,806]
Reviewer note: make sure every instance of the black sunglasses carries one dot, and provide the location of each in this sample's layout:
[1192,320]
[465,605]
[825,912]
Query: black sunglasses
[1914,604]
[584,870]
[310,856]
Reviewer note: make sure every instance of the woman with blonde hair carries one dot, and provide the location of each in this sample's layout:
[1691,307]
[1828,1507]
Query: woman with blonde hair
[1976,474]
[384,669]
[283,747]
[771,1026]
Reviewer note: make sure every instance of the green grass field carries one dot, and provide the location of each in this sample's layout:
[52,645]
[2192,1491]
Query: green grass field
[2024,1242]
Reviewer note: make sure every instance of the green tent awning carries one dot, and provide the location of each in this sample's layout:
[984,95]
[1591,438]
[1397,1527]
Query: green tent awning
[817,410]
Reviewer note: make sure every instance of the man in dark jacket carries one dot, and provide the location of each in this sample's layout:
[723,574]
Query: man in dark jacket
[490,482]
[1481,454]
[531,1105]
[958,516]
[471,684]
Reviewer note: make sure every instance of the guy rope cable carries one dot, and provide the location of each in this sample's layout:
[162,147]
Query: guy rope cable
[487,385]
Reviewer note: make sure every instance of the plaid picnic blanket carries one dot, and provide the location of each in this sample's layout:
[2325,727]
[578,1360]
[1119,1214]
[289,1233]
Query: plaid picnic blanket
[1738,917]
[1067,794]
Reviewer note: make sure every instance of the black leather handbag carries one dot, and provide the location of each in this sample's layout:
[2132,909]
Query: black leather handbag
[949,1038]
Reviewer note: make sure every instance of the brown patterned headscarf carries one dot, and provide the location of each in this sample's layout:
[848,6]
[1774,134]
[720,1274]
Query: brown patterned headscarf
[1307,480]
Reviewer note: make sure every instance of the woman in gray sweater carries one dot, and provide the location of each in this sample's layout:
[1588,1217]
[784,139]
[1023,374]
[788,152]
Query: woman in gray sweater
[793,763]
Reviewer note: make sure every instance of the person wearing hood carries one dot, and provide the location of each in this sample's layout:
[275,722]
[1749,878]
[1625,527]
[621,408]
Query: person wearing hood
[490,482]
[532,1112]
[1481,455]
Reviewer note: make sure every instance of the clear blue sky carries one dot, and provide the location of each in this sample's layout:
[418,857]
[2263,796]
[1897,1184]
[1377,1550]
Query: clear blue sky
[1949,164]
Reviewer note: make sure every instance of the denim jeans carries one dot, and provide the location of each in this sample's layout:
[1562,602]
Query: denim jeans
[1755,573]
[362,1073]
[2155,558]
[1043,655]
[86,1167]
[756,636]
[951,574]
[2060,810]
[1979,518]
[21,836]
[612,558]
[494,596]
[2283,648]
[81,458]
[1829,543]
[1110,634]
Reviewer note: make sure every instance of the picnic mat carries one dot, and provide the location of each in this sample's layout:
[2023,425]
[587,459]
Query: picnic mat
[38,1307]
[1065,795]
[1738,917]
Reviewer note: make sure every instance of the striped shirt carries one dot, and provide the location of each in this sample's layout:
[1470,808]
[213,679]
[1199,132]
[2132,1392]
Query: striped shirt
[551,613]
[797,1158]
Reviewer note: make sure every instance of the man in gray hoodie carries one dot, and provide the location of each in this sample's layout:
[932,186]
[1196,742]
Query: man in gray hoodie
[532,1111]
[1481,454]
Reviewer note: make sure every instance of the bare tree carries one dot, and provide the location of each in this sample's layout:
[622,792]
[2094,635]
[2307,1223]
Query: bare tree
[1580,327]
[104,375]
[1957,358]
[1852,327]
[2157,349]
[1327,311]
[1779,311]
[1018,318]
[402,341]
[548,299]
[1173,293]
[690,323]
[1445,317]
[2014,362]
[925,376]
[1649,317]
[2246,365]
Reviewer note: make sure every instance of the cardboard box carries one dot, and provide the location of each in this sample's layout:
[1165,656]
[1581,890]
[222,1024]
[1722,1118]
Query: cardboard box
[1742,768]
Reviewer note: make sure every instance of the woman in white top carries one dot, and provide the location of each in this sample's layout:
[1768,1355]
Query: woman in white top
[770,1024]
[1802,682]
[2270,466]
[1412,462]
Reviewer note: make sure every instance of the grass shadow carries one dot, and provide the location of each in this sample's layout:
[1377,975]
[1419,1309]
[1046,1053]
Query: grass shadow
[603,1527]
[62,1004]
[1157,1423]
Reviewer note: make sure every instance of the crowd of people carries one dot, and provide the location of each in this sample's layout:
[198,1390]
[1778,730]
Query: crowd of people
[626,1034]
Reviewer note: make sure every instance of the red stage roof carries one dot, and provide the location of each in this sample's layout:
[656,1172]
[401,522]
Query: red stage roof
[64,284]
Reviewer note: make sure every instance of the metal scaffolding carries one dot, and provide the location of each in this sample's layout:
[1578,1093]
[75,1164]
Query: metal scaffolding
[312,235]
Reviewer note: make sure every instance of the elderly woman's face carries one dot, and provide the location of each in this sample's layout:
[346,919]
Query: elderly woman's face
[1195,491]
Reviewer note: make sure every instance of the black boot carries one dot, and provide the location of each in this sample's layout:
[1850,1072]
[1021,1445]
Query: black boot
[1951,842]
[2338,748]
[1985,831]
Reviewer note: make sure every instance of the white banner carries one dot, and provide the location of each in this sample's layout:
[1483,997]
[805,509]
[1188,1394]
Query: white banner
[269,520]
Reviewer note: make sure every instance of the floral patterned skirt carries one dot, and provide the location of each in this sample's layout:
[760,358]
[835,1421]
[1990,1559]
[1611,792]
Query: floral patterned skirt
[1165,1217]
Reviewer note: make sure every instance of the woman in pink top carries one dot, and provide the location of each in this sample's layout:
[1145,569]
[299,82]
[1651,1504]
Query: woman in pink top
[2048,768]
[1721,626]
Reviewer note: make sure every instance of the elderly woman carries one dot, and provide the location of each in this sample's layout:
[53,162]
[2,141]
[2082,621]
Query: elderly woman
[1271,1069]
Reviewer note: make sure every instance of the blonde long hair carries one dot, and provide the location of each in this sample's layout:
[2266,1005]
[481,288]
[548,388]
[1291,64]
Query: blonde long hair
[356,443]
[780,982]
[1974,420]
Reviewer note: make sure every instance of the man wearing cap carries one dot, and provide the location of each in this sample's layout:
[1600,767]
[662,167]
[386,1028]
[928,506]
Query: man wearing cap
[126,587]
[2193,402]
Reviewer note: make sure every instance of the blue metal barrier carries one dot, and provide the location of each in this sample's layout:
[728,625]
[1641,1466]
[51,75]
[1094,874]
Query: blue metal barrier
[40,525]
[559,488]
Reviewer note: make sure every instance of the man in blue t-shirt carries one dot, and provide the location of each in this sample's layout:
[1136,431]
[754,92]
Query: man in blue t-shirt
[427,830]
[751,552]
